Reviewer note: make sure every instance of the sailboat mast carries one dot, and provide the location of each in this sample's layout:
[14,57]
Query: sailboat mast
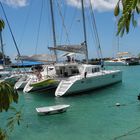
[1,42]
[84,28]
[53,28]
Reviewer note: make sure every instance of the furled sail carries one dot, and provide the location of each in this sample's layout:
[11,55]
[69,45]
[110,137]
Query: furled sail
[41,58]
[71,48]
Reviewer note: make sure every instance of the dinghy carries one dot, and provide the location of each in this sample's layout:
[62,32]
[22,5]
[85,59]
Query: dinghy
[52,109]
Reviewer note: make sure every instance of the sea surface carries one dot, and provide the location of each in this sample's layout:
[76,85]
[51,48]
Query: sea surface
[91,116]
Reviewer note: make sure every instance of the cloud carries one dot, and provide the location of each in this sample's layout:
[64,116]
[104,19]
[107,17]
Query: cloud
[15,3]
[99,5]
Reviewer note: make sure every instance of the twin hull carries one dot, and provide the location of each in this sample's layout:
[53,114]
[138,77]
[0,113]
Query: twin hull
[20,85]
[41,85]
[93,82]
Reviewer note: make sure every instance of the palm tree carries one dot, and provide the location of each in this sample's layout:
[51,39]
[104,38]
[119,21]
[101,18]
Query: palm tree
[7,96]
[2,25]
[129,9]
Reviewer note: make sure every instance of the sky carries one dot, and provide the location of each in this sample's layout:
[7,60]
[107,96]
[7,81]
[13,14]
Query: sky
[30,21]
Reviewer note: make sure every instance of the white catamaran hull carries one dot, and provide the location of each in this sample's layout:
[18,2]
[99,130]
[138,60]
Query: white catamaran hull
[20,84]
[44,85]
[90,82]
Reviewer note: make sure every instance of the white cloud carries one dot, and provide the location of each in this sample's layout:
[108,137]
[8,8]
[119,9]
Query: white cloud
[15,3]
[99,5]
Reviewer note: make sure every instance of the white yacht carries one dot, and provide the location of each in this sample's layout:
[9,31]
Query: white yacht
[123,59]
[89,77]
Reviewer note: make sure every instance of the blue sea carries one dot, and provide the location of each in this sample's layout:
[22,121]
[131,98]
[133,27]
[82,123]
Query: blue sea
[91,116]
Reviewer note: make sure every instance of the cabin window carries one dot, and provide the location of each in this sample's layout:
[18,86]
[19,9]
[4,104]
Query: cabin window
[51,68]
[74,71]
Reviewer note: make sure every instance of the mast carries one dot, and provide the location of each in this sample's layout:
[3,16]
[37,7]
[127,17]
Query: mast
[53,28]
[1,42]
[84,28]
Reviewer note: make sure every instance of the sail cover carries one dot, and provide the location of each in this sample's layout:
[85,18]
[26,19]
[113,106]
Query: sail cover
[40,58]
[71,48]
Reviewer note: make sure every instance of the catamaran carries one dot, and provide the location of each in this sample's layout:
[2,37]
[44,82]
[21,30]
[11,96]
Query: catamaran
[74,77]
[89,76]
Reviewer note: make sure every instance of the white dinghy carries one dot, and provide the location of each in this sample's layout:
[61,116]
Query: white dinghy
[52,109]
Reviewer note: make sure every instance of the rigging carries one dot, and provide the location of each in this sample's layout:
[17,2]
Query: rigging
[63,22]
[10,29]
[38,31]
[95,31]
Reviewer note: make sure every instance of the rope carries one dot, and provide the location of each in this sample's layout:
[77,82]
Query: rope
[94,39]
[64,15]
[10,29]
[131,132]
[63,22]
[95,30]
[15,43]
[25,24]
[38,31]
[73,17]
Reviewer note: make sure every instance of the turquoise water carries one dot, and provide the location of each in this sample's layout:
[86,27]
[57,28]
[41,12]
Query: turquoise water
[91,116]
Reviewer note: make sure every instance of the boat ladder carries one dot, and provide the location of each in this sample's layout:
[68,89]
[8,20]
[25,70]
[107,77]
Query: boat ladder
[63,86]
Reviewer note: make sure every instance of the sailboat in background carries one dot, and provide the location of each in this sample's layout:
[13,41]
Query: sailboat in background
[122,58]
